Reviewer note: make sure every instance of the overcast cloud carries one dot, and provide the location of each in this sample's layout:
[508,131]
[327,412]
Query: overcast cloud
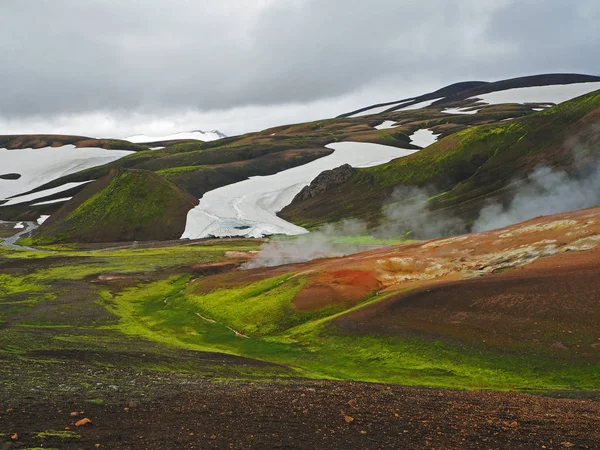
[115,67]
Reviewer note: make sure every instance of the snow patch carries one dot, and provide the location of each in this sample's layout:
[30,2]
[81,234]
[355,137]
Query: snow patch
[40,220]
[19,225]
[44,193]
[385,125]
[460,111]
[40,166]
[539,94]
[380,109]
[423,137]
[420,105]
[49,202]
[248,208]
[197,135]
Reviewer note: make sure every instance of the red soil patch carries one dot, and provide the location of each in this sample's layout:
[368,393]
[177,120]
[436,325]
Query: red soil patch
[334,288]
[551,305]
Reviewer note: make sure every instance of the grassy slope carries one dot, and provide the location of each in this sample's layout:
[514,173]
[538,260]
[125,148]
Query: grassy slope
[151,319]
[126,205]
[471,164]
[52,306]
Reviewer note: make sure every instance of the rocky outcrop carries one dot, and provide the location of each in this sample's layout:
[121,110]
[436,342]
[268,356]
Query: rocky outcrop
[324,181]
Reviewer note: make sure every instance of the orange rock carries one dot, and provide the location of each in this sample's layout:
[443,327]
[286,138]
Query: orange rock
[83,422]
[213,437]
[15,437]
[97,445]
[74,414]
[348,419]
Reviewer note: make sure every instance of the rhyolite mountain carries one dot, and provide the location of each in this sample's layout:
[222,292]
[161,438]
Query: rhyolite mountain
[488,135]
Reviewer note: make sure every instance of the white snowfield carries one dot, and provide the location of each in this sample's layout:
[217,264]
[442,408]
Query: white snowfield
[386,124]
[249,208]
[423,137]
[40,166]
[197,135]
[539,94]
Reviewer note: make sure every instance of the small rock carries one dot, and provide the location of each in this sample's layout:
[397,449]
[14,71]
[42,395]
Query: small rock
[74,414]
[213,437]
[97,445]
[132,404]
[83,422]
[125,409]
[353,404]
[348,419]
[15,437]
[67,428]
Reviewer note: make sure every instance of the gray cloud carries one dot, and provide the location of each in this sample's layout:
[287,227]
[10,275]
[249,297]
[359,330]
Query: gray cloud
[64,60]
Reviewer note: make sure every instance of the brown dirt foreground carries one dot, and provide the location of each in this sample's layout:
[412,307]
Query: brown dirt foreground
[311,415]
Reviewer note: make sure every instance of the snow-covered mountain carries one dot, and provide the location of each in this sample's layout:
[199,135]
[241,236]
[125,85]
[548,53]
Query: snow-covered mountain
[244,182]
[197,135]
[547,89]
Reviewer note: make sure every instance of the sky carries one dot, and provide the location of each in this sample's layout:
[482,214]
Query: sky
[114,68]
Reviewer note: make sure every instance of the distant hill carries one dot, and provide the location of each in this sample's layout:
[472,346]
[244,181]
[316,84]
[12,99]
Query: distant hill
[197,135]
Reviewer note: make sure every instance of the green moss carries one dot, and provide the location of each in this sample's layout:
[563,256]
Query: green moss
[57,434]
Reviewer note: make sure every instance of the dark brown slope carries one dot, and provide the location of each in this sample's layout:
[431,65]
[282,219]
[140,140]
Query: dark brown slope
[126,205]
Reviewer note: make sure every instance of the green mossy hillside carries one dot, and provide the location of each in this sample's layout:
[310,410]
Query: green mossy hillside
[126,205]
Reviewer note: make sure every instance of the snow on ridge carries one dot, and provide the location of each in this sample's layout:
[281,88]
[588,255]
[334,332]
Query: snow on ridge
[556,94]
[380,109]
[248,208]
[197,135]
[420,105]
[40,166]
[423,137]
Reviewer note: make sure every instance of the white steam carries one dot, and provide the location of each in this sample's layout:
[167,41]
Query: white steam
[545,192]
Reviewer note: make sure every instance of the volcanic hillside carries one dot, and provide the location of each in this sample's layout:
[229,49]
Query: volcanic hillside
[479,138]
[125,205]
